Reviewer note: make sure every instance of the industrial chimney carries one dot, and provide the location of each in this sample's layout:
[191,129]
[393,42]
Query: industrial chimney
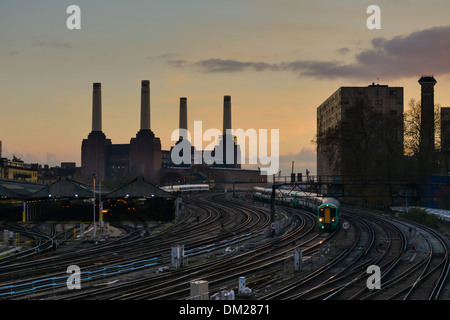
[183,114]
[427,84]
[427,149]
[94,148]
[145,105]
[97,107]
[226,114]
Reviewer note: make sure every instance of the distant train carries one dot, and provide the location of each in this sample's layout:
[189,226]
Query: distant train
[183,188]
[326,209]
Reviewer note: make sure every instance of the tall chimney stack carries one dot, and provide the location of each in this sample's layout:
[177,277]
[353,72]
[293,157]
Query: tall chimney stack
[145,105]
[427,84]
[427,149]
[183,113]
[97,107]
[226,114]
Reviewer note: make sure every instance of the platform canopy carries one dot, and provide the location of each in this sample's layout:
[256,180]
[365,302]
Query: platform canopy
[63,188]
[17,189]
[5,192]
[139,188]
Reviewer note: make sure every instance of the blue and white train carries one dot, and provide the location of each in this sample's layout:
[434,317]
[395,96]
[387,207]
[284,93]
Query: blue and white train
[184,188]
[326,209]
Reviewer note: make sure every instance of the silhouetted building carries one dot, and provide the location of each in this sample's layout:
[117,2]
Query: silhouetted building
[352,128]
[142,157]
[145,149]
[227,141]
[94,148]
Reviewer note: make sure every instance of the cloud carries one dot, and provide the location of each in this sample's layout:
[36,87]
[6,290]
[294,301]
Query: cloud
[177,63]
[219,65]
[160,56]
[421,52]
[343,51]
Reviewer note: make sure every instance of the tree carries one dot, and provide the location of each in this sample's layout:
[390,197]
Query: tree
[412,133]
[366,148]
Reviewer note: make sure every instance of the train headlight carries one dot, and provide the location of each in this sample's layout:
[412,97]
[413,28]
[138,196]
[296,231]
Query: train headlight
[320,219]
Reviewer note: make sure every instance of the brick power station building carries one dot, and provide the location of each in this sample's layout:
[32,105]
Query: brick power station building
[143,156]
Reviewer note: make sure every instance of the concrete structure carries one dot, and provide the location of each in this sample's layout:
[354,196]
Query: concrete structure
[220,175]
[94,148]
[338,112]
[143,155]
[226,114]
[110,161]
[145,105]
[228,161]
[183,114]
[145,149]
[97,107]
[427,84]
[166,155]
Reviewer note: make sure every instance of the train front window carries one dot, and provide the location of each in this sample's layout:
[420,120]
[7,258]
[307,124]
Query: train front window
[332,213]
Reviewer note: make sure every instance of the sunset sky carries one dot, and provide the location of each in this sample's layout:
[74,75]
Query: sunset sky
[279,60]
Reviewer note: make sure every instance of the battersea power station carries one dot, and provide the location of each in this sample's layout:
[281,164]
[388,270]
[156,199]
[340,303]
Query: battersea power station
[144,157]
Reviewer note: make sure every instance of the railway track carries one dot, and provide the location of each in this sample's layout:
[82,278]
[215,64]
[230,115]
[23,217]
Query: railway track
[207,226]
[250,225]
[387,245]
[224,240]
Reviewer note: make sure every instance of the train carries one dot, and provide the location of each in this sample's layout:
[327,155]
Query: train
[326,209]
[184,188]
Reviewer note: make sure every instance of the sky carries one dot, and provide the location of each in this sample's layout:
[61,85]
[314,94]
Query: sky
[278,60]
